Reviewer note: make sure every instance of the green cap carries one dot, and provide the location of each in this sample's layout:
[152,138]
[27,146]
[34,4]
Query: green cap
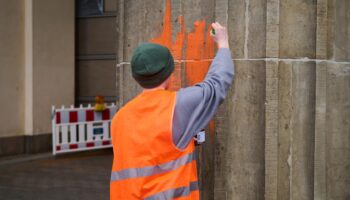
[151,64]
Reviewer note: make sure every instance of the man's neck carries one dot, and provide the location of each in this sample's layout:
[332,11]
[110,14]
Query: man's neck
[163,86]
[153,89]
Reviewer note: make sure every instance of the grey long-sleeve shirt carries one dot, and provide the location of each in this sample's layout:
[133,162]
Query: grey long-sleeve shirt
[196,105]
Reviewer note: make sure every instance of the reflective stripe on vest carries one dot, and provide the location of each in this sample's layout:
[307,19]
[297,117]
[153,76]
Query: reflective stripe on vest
[152,170]
[175,193]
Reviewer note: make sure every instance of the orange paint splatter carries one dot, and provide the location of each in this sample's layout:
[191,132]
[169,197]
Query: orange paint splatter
[198,50]
[212,130]
[177,47]
[165,37]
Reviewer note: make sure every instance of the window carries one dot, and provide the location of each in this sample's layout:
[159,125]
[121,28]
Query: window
[89,7]
[95,51]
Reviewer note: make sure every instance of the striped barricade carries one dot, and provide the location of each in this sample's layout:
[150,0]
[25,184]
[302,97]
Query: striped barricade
[80,129]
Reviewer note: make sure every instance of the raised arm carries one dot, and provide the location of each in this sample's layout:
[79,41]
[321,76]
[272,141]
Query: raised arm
[196,105]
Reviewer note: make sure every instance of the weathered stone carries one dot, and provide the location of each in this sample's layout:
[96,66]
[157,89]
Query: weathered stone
[221,11]
[283,130]
[296,130]
[297,28]
[256,37]
[120,34]
[338,131]
[330,28]
[176,12]
[342,31]
[272,28]
[321,29]
[320,132]
[222,147]
[236,27]
[271,130]
[303,127]
[247,25]
[206,166]
[134,25]
[192,12]
[239,138]
[338,30]
[152,18]
[127,85]
[208,11]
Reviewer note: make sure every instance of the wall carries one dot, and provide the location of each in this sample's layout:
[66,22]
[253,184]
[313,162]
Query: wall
[36,71]
[283,131]
[11,68]
[53,59]
[11,75]
[305,150]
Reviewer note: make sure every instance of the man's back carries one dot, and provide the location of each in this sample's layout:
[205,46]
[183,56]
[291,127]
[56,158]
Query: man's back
[153,134]
[146,163]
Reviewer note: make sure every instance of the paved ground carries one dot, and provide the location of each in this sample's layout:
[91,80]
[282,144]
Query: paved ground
[74,176]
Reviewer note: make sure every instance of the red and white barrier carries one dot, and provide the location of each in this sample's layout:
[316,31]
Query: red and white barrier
[80,129]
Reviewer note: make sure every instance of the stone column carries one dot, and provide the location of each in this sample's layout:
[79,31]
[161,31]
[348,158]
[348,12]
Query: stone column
[283,130]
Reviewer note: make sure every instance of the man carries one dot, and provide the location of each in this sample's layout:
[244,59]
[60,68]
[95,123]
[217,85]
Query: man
[153,134]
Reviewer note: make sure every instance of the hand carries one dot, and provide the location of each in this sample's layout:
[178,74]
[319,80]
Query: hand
[220,36]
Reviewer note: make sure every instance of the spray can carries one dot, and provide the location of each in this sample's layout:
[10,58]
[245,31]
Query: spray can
[212,32]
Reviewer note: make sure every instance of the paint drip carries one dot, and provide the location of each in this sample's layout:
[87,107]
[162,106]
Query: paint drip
[193,50]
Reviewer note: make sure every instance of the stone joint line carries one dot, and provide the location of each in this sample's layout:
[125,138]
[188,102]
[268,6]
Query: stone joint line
[260,59]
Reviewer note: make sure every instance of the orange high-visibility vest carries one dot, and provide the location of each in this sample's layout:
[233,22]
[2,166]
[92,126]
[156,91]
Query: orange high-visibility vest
[147,164]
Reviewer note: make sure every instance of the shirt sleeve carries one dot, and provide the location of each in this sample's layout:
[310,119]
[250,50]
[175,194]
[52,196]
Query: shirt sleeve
[196,105]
